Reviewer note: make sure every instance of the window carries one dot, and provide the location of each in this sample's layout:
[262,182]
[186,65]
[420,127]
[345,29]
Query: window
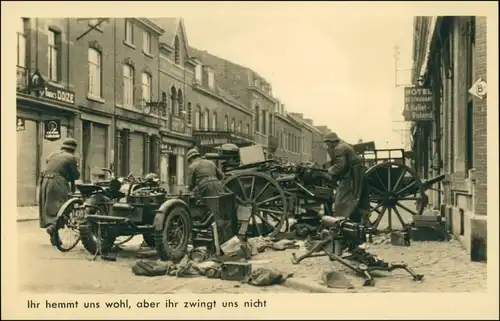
[128,85]
[469,136]
[197,116]
[211,80]
[248,129]
[233,125]
[95,74]
[189,114]
[198,73]
[129,32]
[257,83]
[264,122]
[214,121]
[205,119]
[173,101]
[180,101]
[54,55]
[226,123]
[146,42]
[177,50]
[21,44]
[146,87]
[257,119]
[240,127]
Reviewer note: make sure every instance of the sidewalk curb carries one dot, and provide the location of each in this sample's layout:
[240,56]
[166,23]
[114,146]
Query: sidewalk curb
[19,220]
[298,285]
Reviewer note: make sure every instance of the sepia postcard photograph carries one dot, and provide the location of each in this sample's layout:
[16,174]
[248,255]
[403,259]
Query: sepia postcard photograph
[241,160]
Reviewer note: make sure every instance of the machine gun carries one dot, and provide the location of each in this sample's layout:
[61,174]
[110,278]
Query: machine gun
[344,235]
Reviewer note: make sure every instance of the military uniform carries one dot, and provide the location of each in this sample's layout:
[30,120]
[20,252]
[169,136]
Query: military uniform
[347,168]
[203,176]
[56,182]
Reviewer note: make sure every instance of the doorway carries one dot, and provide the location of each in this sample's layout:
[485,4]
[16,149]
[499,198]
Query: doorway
[86,132]
[172,171]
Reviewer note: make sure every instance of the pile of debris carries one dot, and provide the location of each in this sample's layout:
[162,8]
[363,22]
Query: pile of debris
[235,264]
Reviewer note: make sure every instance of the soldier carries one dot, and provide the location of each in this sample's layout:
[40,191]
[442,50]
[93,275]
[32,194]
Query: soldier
[56,183]
[203,177]
[347,169]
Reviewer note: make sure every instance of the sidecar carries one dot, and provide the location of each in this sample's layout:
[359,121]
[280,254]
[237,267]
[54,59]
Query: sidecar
[132,214]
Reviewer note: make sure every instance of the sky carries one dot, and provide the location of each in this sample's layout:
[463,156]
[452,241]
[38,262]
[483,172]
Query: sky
[337,69]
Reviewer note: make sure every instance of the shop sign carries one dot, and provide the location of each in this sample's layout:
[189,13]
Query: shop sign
[52,129]
[177,124]
[20,125]
[57,94]
[210,141]
[418,104]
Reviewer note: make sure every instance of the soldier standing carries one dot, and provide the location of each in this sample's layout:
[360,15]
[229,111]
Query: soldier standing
[347,169]
[56,183]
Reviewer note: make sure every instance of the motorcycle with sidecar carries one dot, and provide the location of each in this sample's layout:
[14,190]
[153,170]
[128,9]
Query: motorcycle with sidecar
[168,223]
[84,199]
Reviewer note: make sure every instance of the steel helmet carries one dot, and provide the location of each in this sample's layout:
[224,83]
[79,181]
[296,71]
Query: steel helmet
[69,143]
[331,137]
[192,153]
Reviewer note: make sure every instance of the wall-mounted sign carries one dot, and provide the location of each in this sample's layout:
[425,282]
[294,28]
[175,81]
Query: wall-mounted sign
[52,129]
[479,89]
[57,94]
[418,104]
[211,141]
[177,124]
[20,127]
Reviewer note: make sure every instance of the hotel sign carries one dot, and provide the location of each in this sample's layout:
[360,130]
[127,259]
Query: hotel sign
[418,104]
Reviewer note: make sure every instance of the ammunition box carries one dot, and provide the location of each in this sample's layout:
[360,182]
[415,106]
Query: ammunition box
[236,271]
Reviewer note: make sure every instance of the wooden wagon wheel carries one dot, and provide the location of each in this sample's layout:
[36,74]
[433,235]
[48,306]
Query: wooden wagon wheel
[265,197]
[390,184]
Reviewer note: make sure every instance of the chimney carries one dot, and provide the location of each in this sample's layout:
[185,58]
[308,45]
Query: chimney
[309,121]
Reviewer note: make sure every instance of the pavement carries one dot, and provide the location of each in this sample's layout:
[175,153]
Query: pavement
[27,213]
[44,269]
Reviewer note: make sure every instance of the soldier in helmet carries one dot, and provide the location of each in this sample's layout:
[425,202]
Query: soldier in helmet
[203,177]
[56,183]
[347,169]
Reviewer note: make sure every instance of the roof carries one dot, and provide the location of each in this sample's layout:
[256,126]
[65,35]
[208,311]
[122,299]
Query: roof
[171,25]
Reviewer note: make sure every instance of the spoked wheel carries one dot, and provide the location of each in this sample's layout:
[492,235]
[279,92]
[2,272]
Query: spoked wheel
[394,188]
[66,234]
[171,243]
[264,197]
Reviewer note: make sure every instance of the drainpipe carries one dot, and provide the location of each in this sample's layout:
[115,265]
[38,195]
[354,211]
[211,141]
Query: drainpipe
[114,156]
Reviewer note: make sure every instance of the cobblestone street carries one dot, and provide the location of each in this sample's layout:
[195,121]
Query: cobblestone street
[44,269]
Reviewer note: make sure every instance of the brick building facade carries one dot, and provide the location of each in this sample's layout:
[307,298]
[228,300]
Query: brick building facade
[135,96]
[454,143]
[247,87]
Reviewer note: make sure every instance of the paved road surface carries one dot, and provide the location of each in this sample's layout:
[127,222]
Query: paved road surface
[44,269]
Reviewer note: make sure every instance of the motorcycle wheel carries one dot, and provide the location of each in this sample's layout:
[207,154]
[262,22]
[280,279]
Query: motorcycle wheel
[88,234]
[67,221]
[172,241]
